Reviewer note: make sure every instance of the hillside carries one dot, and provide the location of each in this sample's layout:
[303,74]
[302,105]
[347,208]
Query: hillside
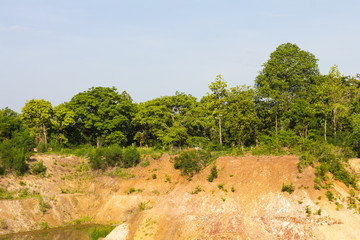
[244,202]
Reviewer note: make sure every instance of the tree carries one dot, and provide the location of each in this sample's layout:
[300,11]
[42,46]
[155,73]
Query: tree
[36,115]
[218,94]
[339,95]
[286,76]
[103,115]
[9,123]
[169,120]
[240,114]
[63,118]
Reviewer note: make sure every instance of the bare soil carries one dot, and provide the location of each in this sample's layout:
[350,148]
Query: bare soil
[250,204]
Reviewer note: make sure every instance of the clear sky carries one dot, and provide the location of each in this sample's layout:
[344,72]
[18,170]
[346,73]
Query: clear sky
[55,49]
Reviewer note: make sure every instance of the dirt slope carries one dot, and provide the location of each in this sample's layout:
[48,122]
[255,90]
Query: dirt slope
[168,207]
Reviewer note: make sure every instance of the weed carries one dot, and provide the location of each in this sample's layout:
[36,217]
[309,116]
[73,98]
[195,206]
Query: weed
[81,220]
[156,192]
[197,190]
[154,176]
[232,189]
[168,179]
[130,190]
[43,205]
[145,163]
[329,195]
[213,174]
[3,225]
[221,187]
[308,211]
[45,225]
[288,188]
[318,212]
[22,183]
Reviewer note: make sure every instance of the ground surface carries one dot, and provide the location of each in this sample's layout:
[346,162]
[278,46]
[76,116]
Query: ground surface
[250,204]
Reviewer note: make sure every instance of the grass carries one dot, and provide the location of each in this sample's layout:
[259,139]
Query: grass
[100,232]
[121,173]
[84,219]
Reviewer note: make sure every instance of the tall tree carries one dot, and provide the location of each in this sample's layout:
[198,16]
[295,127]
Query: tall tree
[63,118]
[9,123]
[240,114]
[286,76]
[36,115]
[218,94]
[103,115]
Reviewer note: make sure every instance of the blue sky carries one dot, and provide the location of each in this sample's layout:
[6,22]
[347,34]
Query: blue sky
[54,49]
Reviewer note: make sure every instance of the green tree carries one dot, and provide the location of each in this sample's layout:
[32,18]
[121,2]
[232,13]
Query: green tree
[169,120]
[36,115]
[9,123]
[103,115]
[286,76]
[63,118]
[217,95]
[240,114]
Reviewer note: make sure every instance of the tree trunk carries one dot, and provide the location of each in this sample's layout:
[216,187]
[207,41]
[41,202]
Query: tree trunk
[220,126]
[325,129]
[335,111]
[98,143]
[276,124]
[45,134]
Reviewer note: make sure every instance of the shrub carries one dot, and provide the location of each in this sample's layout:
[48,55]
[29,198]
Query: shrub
[38,168]
[329,195]
[308,211]
[288,188]
[130,190]
[145,163]
[197,190]
[213,174]
[190,162]
[154,176]
[131,157]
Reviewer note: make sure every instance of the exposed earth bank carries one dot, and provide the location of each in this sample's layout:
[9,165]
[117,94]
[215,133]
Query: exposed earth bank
[156,202]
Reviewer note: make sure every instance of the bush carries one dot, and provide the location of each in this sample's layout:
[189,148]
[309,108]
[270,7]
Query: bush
[329,195]
[131,157]
[14,152]
[190,162]
[102,158]
[38,168]
[288,188]
[213,174]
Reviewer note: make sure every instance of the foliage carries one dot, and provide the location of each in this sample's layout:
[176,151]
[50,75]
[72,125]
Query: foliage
[213,174]
[100,232]
[103,115]
[329,194]
[131,157]
[288,188]
[38,168]
[102,158]
[191,161]
[36,115]
[14,152]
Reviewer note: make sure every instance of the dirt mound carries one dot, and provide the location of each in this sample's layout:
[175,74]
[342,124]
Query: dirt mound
[156,202]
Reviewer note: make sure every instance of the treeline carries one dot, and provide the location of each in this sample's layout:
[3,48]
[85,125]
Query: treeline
[290,105]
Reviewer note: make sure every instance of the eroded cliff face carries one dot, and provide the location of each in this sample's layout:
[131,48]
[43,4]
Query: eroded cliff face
[249,205]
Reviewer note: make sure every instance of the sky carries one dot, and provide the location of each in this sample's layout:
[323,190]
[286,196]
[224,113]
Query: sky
[53,50]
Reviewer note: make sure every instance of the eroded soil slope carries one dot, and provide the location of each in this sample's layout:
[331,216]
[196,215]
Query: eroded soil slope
[244,202]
